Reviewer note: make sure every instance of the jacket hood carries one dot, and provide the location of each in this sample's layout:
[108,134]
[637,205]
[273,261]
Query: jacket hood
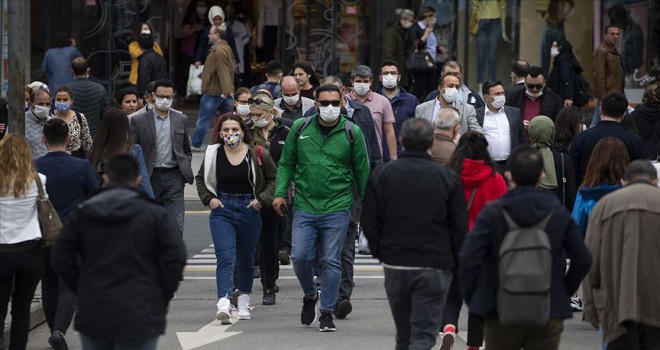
[216,11]
[112,204]
[598,192]
[528,205]
[474,173]
[651,114]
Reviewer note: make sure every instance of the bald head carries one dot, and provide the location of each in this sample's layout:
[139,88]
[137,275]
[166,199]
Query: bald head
[79,66]
[289,86]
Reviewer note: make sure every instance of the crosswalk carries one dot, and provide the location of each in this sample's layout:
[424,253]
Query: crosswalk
[202,266]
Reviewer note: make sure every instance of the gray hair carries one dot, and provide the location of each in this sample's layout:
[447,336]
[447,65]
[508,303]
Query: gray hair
[417,134]
[447,118]
[362,71]
[332,80]
[404,13]
[640,169]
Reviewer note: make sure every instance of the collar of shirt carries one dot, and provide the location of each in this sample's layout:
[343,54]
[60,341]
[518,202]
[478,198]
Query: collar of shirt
[349,110]
[157,116]
[369,97]
[421,24]
[522,81]
[488,112]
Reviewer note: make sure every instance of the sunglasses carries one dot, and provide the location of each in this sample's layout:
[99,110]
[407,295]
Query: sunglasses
[334,103]
[535,86]
[258,101]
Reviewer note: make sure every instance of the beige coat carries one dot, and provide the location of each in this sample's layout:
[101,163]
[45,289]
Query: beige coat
[624,282]
[218,74]
[607,71]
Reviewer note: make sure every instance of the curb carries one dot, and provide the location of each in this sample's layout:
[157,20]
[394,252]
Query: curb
[37,317]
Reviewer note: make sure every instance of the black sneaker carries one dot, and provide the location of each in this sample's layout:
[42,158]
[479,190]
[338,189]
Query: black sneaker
[57,341]
[284,257]
[269,297]
[234,299]
[277,288]
[344,308]
[308,314]
[325,322]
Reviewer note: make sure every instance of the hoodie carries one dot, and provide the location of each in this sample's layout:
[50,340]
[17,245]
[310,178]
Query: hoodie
[490,185]
[586,200]
[122,255]
[527,206]
[647,121]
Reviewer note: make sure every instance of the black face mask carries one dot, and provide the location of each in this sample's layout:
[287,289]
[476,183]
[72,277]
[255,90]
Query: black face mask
[146,41]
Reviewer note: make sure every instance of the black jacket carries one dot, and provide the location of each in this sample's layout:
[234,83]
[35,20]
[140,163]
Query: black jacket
[647,122]
[414,213]
[564,169]
[479,257]
[131,262]
[513,90]
[583,145]
[551,103]
[151,67]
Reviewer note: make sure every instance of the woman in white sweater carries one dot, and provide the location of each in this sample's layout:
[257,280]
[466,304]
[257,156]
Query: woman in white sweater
[21,260]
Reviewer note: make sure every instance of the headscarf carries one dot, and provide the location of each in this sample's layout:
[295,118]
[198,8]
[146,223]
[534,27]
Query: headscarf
[215,11]
[541,133]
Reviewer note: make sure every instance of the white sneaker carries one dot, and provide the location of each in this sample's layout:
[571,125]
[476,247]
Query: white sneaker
[244,307]
[224,311]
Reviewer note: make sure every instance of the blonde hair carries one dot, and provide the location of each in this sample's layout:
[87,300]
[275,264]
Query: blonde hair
[267,105]
[18,173]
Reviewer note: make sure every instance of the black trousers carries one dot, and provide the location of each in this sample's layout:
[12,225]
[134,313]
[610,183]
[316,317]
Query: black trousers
[347,263]
[58,300]
[416,299]
[19,270]
[638,337]
[453,310]
[268,248]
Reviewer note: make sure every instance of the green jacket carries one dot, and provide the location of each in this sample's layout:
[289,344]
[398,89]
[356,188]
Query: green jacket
[323,171]
[263,181]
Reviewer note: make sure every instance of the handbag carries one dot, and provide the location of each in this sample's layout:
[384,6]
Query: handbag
[49,222]
[419,61]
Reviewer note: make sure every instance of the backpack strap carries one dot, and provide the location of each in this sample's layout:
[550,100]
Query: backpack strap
[304,125]
[79,117]
[350,132]
[563,180]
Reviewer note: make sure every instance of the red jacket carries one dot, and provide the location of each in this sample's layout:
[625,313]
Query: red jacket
[489,184]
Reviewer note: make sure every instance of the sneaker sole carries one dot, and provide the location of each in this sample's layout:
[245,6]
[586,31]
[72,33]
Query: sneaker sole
[223,318]
[244,317]
[447,342]
[327,329]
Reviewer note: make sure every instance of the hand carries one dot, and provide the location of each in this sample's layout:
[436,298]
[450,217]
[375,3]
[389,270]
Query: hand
[197,64]
[254,204]
[277,203]
[198,27]
[505,37]
[568,103]
[215,203]
[428,30]
[3,126]
[526,123]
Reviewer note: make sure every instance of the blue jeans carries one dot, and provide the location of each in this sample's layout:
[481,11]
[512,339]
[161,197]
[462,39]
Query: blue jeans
[488,36]
[208,105]
[142,344]
[235,230]
[329,232]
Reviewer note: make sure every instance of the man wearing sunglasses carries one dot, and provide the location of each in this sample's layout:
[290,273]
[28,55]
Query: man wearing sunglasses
[324,156]
[535,99]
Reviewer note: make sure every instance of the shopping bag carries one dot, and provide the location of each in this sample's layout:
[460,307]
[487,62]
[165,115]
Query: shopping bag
[363,244]
[194,86]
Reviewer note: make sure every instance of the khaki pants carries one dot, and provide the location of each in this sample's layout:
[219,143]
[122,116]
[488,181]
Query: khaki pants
[505,337]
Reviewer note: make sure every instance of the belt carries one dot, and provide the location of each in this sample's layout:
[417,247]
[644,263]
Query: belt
[165,170]
[19,247]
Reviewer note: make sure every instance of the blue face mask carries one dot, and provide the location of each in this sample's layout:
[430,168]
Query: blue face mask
[62,106]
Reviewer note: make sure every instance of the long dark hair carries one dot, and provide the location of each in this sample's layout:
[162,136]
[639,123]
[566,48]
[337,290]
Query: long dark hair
[567,125]
[472,145]
[308,67]
[247,136]
[112,137]
[607,164]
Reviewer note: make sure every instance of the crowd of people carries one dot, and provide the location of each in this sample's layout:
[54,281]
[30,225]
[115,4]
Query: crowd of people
[462,195]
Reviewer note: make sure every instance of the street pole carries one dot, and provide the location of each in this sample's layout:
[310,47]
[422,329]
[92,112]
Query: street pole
[17,58]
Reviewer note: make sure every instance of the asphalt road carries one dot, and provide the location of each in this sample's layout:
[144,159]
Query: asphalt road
[370,326]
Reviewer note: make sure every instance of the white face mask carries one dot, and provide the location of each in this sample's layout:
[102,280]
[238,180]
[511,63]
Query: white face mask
[329,114]
[291,100]
[41,111]
[433,21]
[498,101]
[163,104]
[262,122]
[242,109]
[554,52]
[450,95]
[390,81]
[361,88]
[534,95]
[145,31]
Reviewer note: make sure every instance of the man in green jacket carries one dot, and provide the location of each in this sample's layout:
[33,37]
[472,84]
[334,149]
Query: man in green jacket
[323,156]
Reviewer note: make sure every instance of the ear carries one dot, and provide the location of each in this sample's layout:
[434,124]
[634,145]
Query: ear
[542,176]
[106,180]
[43,139]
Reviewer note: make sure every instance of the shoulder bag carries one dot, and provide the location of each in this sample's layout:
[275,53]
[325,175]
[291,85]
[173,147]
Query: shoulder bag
[419,61]
[49,222]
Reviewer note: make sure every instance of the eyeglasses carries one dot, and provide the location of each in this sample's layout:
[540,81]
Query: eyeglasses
[334,103]
[534,86]
[169,97]
[258,101]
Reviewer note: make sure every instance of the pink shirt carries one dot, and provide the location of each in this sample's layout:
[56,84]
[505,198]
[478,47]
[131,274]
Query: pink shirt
[381,112]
